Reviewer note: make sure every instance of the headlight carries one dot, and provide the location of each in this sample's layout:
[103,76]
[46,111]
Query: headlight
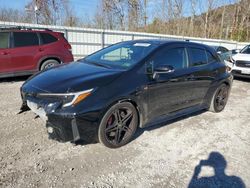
[231,60]
[67,99]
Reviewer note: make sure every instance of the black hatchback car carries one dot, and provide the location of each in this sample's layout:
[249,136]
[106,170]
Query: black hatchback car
[108,95]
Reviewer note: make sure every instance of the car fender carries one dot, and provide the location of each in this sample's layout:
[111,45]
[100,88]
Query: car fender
[226,78]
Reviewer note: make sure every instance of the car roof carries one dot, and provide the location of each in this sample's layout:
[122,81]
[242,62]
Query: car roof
[24,29]
[162,42]
[165,41]
[216,47]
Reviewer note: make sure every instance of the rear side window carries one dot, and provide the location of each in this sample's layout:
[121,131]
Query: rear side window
[22,39]
[198,56]
[47,38]
[176,57]
[211,58]
[4,39]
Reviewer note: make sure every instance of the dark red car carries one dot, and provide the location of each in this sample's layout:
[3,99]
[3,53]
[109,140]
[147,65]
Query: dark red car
[26,51]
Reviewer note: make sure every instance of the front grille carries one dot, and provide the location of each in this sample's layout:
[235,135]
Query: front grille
[243,64]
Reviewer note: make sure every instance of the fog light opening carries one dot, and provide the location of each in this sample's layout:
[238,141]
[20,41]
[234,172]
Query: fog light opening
[50,130]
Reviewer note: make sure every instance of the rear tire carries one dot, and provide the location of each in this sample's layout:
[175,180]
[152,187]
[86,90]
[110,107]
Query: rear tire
[118,125]
[48,64]
[219,99]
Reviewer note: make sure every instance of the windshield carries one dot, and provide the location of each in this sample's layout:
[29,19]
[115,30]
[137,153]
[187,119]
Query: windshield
[122,55]
[246,50]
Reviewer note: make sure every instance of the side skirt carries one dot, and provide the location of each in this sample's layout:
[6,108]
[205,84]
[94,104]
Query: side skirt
[175,115]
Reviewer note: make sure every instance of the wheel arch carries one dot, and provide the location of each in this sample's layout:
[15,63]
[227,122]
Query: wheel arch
[212,90]
[48,58]
[133,102]
[226,82]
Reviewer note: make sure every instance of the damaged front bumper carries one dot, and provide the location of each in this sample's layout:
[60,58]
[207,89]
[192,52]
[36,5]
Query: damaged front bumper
[64,126]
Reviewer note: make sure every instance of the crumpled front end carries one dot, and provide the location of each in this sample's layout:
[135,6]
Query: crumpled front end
[69,128]
[62,126]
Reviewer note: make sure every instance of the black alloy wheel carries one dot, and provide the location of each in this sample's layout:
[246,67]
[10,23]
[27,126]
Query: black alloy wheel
[220,98]
[118,125]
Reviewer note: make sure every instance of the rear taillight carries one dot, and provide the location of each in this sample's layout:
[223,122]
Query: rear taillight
[68,46]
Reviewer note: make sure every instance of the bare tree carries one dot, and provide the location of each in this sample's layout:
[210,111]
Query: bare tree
[69,18]
[134,14]
[244,19]
[51,12]
[145,12]
[222,21]
[178,14]
[113,12]
[14,15]
[207,6]
[192,20]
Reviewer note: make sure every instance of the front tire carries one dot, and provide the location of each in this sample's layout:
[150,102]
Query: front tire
[118,125]
[219,99]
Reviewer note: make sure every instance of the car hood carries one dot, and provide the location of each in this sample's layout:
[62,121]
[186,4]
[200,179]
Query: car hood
[241,57]
[73,77]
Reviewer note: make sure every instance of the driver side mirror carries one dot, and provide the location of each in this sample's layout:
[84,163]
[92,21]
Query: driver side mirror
[163,69]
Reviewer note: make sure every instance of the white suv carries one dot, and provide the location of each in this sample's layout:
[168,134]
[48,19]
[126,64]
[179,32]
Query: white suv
[240,63]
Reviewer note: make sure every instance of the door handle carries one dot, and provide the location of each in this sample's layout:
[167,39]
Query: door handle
[41,49]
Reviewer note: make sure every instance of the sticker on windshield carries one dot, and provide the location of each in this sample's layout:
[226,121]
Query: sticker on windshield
[142,44]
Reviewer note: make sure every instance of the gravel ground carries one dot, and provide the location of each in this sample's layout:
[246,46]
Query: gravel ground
[165,156]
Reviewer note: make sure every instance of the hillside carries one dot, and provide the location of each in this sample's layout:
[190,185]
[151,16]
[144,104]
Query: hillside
[231,22]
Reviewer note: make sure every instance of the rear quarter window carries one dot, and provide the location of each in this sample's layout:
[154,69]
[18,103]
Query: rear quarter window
[22,39]
[212,58]
[47,38]
[198,56]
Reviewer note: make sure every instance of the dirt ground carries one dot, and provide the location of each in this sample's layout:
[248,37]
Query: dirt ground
[165,156]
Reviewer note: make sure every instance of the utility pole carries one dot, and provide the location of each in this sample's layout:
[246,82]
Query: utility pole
[30,8]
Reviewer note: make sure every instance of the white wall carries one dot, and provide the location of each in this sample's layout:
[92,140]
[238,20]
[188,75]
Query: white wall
[85,41]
